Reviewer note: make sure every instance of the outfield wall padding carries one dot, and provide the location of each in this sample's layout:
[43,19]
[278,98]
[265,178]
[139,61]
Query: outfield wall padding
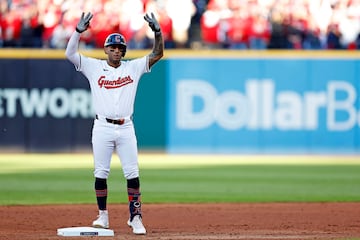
[205,101]
[45,106]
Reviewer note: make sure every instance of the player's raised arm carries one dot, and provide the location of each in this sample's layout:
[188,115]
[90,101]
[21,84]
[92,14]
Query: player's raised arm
[158,48]
[73,44]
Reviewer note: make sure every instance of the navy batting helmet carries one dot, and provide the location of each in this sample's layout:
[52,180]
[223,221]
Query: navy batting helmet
[115,39]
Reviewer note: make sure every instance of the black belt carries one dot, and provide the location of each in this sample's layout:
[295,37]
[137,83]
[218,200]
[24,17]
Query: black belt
[113,121]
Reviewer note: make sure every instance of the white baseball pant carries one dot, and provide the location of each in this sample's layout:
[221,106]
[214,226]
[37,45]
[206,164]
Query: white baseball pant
[107,137]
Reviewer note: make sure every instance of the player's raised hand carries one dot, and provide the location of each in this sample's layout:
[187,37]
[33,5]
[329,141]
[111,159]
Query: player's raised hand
[153,23]
[84,22]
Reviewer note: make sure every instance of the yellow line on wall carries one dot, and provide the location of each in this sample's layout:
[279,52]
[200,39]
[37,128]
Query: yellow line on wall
[18,53]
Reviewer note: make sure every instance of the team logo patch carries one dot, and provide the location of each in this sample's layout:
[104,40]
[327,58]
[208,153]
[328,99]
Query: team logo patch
[118,39]
[117,83]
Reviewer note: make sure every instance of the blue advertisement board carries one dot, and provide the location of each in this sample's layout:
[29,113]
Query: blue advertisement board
[279,105]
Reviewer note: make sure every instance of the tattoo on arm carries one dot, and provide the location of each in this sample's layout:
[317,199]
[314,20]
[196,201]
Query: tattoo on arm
[158,49]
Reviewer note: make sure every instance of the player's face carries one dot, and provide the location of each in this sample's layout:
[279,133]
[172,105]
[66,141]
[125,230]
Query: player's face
[115,53]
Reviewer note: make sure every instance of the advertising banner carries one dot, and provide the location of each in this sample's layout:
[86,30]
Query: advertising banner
[263,105]
[46,106]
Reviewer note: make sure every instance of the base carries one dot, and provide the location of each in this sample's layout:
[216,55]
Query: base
[84,231]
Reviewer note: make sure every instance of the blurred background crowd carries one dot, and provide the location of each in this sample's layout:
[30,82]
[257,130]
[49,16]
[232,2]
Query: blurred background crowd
[225,24]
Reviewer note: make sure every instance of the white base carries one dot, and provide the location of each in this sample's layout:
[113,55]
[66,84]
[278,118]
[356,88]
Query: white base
[84,231]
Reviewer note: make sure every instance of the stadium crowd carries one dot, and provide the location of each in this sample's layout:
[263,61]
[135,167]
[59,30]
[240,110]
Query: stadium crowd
[231,24]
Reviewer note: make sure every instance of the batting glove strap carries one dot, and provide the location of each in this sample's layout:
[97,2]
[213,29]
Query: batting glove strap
[78,30]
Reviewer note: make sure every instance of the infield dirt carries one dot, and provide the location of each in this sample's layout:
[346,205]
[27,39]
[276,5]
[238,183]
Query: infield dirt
[191,221]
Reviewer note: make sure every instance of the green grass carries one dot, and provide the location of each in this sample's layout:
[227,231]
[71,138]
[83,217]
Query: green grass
[57,179]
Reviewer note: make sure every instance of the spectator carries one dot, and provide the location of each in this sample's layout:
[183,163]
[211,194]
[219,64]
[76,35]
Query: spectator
[333,37]
[213,23]
[259,34]
[11,26]
[195,28]
[312,36]
[136,25]
[26,34]
[278,38]
[31,30]
[101,27]
[238,29]
[298,24]
[254,24]
[158,8]
[180,13]
[50,18]
[210,25]
[60,36]
[1,40]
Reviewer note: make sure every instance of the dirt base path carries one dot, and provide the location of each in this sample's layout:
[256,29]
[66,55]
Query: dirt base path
[191,221]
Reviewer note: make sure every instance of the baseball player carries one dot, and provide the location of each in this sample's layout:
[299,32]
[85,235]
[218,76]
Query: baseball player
[113,83]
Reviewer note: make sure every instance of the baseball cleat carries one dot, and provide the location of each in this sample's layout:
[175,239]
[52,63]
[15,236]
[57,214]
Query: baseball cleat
[137,225]
[102,221]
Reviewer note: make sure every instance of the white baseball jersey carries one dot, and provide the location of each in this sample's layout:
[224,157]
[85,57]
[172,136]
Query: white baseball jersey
[113,94]
[113,89]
